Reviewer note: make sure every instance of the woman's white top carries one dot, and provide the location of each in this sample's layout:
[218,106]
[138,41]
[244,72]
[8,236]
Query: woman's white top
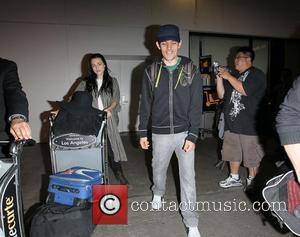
[100,104]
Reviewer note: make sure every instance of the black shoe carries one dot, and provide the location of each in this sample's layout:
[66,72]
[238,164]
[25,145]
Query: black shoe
[121,177]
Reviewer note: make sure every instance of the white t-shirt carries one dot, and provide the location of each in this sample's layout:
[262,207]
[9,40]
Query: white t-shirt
[100,104]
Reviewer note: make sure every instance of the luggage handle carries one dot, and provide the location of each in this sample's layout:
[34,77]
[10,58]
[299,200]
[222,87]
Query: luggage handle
[59,210]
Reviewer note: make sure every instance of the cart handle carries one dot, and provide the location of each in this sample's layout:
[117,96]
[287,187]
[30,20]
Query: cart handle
[28,142]
[16,146]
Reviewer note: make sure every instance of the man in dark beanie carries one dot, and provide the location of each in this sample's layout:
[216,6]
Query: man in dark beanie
[172,94]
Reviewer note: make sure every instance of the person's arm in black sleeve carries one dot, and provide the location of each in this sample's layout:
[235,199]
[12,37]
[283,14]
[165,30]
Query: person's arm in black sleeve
[195,108]
[16,103]
[145,105]
[15,98]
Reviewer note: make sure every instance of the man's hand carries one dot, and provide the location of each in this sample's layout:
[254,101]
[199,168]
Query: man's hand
[188,146]
[20,129]
[218,77]
[144,143]
[224,73]
[237,84]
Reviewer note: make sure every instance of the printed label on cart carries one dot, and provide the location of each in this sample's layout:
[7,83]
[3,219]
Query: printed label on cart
[10,210]
[73,140]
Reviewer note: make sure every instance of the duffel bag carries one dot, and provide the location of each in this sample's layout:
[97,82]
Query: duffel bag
[56,220]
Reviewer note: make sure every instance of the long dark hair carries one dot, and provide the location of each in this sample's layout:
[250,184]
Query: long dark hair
[91,84]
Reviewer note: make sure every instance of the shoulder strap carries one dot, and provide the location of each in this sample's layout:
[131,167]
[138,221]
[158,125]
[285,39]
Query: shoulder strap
[187,69]
[153,72]
[188,72]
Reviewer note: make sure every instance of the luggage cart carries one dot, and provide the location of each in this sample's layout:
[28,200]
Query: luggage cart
[11,223]
[72,149]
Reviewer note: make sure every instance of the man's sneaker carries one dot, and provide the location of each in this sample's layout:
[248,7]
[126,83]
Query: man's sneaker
[194,232]
[249,180]
[156,202]
[230,182]
[250,186]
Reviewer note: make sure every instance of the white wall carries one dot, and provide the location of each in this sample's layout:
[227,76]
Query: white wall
[49,38]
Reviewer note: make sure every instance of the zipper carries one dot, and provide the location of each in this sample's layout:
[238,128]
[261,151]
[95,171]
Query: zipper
[171,102]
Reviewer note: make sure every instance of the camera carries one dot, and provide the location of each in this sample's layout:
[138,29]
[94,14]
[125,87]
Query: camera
[216,67]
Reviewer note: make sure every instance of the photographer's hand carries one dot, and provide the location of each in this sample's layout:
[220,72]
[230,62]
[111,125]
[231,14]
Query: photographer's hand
[223,72]
[236,83]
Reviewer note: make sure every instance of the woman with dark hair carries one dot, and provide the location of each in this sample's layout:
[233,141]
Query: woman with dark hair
[106,96]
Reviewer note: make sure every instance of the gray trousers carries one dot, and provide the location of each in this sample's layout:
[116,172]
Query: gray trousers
[164,146]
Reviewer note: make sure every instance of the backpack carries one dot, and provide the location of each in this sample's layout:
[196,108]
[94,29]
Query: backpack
[185,70]
[282,193]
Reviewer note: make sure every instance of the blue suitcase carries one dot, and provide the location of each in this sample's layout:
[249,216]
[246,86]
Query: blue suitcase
[73,187]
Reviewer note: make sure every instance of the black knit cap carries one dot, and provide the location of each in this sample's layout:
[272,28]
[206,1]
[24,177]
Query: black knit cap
[168,32]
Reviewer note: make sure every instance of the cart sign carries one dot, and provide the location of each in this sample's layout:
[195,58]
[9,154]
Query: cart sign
[9,209]
[73,140]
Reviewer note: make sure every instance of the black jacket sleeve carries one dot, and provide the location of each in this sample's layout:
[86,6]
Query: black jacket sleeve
[15,99]
[288,118]
[145,105]
[195,108]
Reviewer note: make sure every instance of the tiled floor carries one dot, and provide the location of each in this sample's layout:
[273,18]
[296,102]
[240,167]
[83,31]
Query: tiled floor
[214,220]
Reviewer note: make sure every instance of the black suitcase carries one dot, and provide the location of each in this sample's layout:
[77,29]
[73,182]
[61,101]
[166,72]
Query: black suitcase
[56,220]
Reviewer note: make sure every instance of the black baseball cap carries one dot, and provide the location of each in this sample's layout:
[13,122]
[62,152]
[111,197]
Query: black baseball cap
[168,32]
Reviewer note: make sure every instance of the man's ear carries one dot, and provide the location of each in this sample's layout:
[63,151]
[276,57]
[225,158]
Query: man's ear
[179,44]
[157,45]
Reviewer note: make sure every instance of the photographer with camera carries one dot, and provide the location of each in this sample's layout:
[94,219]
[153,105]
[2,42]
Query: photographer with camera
[242,95]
